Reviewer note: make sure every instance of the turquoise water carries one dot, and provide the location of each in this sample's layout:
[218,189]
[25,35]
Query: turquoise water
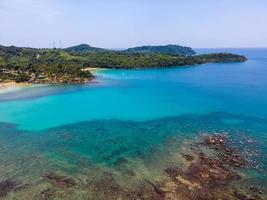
[141,116]
[145,94]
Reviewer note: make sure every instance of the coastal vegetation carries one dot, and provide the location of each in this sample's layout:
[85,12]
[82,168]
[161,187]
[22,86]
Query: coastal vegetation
[167,49]
[85,48]
[66,65]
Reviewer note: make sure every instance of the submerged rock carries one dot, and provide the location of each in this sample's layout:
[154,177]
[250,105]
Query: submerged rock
[173,172]
[47,194]
[9,186]
[256,189]
[234,160]
[157,189]
[227,154]
[188,157]
[241,196]
[106,187]
[148,190]
[216,141]
[121,161]
[208,170]
[58,180]
[205,171]
[209,175]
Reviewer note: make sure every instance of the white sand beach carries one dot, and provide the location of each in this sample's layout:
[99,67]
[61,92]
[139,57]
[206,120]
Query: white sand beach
[12,86]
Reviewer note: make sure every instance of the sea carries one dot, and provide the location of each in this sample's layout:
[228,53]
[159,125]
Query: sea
[142,117]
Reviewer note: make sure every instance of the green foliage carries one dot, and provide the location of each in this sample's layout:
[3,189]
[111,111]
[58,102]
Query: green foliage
[128,60]
[84,48]
[167,49]
[66,66]
[22,77]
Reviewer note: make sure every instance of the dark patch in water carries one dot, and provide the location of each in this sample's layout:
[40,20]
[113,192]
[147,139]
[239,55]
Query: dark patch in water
[241,196]
[121,161]
[60,181]
[106,186]
[227,153]
[8,186]
[174,171]
[188,157]
[256,189]
[210,176]
[157,189]
[47,194]
[210,171]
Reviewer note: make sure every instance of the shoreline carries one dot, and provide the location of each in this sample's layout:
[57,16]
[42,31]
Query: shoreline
[94,69]
[12,85]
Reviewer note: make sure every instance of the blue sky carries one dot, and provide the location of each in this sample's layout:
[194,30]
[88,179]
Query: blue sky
[128,23]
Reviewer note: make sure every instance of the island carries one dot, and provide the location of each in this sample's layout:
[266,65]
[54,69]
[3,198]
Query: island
[31,65]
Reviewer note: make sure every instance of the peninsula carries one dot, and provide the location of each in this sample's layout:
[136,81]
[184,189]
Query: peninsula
[31,65]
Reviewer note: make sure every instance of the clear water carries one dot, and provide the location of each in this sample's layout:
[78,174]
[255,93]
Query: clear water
[145,94]
[132,114]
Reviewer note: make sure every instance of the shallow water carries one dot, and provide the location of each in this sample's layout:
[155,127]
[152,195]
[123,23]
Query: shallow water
[141,119]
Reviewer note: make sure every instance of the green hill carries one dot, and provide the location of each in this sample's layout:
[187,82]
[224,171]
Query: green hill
[84,48]
[167,49]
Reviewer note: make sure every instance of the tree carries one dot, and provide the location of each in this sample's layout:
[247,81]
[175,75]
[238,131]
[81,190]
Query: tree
[22,77]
